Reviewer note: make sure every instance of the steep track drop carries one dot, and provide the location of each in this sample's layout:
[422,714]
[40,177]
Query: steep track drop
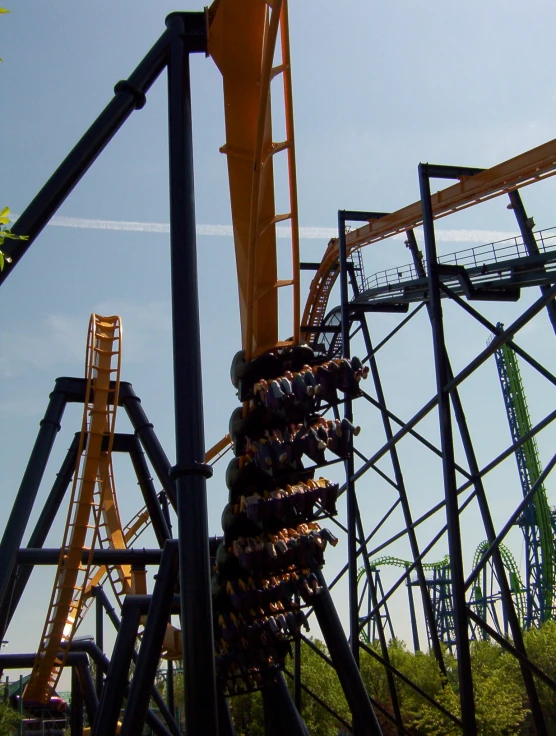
[88,496]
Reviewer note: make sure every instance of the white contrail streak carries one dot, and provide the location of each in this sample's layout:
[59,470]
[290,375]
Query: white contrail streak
[306,233]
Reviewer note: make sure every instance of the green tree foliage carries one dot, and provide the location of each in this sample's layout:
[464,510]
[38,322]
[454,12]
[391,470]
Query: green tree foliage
[541,648]
[9,720]
[500,698]
[5,233]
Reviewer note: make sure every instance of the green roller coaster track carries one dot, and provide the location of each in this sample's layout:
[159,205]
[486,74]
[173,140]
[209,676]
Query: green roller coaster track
[520,425]
[516,584]
[479,596]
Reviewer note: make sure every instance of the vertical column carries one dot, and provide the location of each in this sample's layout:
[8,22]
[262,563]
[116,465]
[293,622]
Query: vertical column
[526,225]
[23,504]
[297,667]
[350,485]
[190,471]
[99,637]
[76,712]
[448,458]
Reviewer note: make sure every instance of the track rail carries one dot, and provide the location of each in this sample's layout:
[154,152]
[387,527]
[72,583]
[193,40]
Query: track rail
[527,168]
[91,480]
[254,26]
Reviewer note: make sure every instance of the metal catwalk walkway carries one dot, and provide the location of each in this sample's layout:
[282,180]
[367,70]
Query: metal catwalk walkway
[493,266]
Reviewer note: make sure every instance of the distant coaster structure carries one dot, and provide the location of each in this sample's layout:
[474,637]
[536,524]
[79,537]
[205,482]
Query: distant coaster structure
[243,38]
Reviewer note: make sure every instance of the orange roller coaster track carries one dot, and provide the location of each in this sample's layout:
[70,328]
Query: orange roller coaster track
[243,41]
[527,168]
[89,495]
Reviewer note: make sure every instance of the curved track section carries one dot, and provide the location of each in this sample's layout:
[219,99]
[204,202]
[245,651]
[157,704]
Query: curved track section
[91,479]
[118,537]
[243,41]
[482,596]
[397,562]
[539,163]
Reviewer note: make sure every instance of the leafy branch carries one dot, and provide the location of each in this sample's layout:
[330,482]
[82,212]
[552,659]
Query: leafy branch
[6,233]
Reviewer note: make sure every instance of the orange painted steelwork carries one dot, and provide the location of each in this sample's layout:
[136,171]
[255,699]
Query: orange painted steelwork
[242,41]
[90,480]
[527,168]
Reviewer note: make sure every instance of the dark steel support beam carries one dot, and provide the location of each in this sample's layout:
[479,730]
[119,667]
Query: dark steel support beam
[511,521]
[87,687]
[280,714]
[419,437]
[380,628]
[497,331]
[297,666]
[349,463]
[505,591]
[321,702]
[396,329]
[114,689]
[165,506]
[344,663]
[461,624]
[21,573]
[76,708]
[170,700]
[150,495]
[50,556]
[412,617]
[155,694]
[497,343]
[144,430]
[411,684]
[151,642]
[188,35]
[400,482]
[23,504]
[506,644]
[99,634]
[225,723]
[129,96]
[526,226]
[102,662]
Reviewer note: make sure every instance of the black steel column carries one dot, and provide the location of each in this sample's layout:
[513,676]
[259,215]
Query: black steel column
[344,663]
[190,472]
[22,573]
[448,458]
[151,642]
[505,591]
[350,484]
[102,661]
[400,482]
[225,723]
[76,710]
[129,95]
[297,667]
[148,490]
[99,635]
[412,616]
[526,226]
[280,714]
[379,627]
[116,678]
[144,430]
[23,504]
[170,701]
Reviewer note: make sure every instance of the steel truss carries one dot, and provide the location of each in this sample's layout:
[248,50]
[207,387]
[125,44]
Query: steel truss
[185,485]
[451,605]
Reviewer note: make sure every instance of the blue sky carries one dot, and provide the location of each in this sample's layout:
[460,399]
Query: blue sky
[377,89]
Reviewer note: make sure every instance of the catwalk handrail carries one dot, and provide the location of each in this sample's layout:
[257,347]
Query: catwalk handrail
[526,168]
[498,251]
